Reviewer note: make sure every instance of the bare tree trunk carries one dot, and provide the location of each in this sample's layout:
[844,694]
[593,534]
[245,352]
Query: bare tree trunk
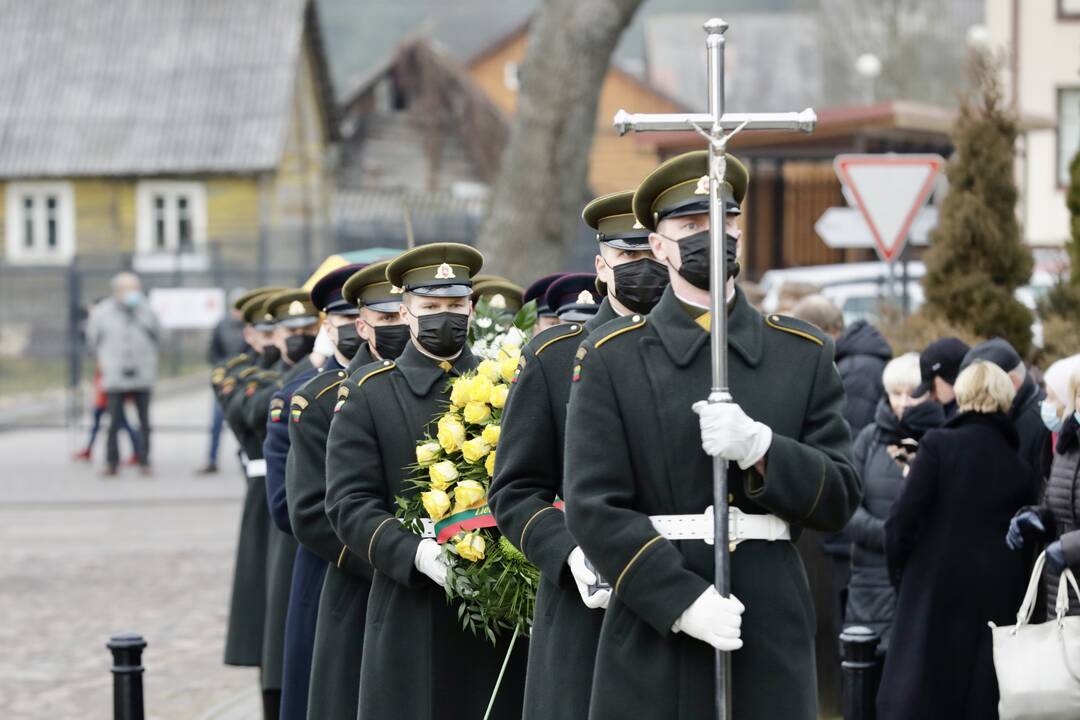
[542,182]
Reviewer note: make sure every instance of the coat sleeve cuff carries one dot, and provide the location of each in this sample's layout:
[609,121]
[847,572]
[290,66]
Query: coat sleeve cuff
[353,564]
[657,586]
[547,544]
[392,551]
[797,486]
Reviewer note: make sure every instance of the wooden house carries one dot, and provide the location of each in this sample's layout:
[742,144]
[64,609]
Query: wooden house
[174,135]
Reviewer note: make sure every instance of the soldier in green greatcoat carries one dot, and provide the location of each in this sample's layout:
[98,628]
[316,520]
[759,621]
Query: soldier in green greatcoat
[528,477]
[247,605]
[339,632]
[418,662]
[296,322]
[638,480]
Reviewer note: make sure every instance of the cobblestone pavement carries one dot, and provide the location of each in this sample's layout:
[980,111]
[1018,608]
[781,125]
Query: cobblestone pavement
[82,558]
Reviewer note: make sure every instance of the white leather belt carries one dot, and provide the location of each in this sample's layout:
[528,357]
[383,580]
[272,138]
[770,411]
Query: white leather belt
[256,468]
[741,526]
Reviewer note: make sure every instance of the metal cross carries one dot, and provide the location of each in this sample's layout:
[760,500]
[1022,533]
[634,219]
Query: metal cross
[712,126]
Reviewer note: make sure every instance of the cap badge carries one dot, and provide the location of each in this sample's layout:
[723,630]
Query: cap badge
[268,316]
[445,272]
[498,301]
[395,290]
[702,187]
[584,298]
[296,308]
[638,225]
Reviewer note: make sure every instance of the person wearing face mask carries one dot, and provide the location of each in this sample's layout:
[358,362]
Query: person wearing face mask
[1056,519]
[295,324]
[247,604]
[418,662]
[123,334]
[528,478]
[882,457]
[306,576]
[641,380]
[374,330]
[545,316]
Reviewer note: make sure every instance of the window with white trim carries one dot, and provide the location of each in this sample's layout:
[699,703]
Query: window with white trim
[171,217]
[1068,129]
[40,222]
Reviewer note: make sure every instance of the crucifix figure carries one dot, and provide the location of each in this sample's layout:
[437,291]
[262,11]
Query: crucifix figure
[712,126]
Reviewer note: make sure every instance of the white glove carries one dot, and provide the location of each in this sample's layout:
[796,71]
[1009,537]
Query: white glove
[728,432]
[583,578]
[713,619]
[429,560]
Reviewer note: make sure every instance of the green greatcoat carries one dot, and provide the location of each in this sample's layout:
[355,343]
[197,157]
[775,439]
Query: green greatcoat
[339,632]
[528,479]
[280,547]
[633,449]
[247,605]
[418,662]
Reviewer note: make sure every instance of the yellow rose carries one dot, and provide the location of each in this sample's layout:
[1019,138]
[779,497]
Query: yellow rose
[488,369]
[466,494]
[427,453]
[498,395]
[436,502]
[479,389]
[508,368]
[510,350]
[459,392]
[451,433]
[489,464]
[442,474]
[477,412]
[491,434]
[475,450]
[471,546]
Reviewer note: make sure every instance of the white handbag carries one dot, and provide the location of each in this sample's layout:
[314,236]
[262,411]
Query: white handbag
[1038,666]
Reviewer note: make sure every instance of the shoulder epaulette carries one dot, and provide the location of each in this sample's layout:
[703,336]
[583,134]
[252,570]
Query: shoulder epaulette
[795,327]
[330,387]
[243,374]
[620,326]
[236,360]
[386,365]
[553,335]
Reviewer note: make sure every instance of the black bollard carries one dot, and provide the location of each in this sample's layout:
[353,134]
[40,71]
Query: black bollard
[860,672]
[127,672]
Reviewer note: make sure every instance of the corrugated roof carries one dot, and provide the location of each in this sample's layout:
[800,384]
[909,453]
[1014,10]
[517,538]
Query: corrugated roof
[129,87]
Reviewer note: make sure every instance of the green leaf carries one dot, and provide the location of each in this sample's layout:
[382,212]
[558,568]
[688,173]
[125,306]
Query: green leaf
[525,319]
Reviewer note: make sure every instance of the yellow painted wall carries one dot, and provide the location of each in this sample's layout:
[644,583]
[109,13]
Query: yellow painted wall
[614,163]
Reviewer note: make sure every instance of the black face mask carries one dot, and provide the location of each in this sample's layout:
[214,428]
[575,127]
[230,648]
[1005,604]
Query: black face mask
[390,340]
[640,283]
[443,334]
[297,347]
[348,340]
[694,253]
[270,356]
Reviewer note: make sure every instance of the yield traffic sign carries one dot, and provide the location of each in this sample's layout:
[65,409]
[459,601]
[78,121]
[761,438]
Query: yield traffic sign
[889,190]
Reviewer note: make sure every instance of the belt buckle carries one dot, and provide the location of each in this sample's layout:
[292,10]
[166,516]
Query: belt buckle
[710,526]
[734,516]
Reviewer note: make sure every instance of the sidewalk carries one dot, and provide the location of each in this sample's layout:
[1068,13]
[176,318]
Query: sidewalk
[83,557]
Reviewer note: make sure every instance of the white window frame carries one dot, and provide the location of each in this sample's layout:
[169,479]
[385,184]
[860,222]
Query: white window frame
[146,219]
[1066,142]
[16,251]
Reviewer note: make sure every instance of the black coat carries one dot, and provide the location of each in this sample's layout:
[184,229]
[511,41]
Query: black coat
[418,662]
[528,480]
[871,601]
[1060,509]
[861,355]
[633,449]
[1035,440]
[945,543]
[342,596]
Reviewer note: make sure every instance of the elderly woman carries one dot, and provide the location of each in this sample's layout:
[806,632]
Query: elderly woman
[944,550]
[1057,520]
[881,456]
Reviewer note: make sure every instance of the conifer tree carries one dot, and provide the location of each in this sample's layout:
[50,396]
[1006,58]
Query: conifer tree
[977,258]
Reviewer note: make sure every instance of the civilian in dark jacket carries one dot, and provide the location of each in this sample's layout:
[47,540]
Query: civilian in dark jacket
[1057,518]
[880,461]
[944,549]
[861,354]
[939,364]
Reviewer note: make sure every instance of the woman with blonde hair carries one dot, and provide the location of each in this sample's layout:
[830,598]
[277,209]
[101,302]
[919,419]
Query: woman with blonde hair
[945,555]
[1057,519]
